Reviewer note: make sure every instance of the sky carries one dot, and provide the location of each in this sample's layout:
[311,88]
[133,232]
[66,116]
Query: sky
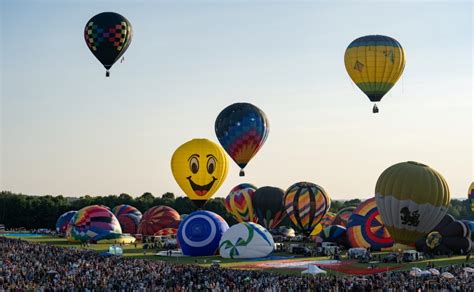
[67,130]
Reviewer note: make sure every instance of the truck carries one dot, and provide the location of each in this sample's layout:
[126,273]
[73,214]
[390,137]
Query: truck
[328,248]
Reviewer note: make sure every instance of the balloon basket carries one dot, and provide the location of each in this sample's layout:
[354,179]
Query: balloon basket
[375,109]
[241,173]
[107,73]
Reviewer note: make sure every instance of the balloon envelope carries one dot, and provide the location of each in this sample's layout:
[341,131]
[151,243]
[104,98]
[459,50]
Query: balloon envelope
[242,129]
[470,196]
[239,203]
[95,223]
[200,233]
[342,217]
[246,240]
[412,198]
[268,205]
[157,218]
[129,217]
[63,222]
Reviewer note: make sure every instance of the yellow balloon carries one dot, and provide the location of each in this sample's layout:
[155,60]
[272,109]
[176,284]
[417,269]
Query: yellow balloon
[199,167]
[317,229]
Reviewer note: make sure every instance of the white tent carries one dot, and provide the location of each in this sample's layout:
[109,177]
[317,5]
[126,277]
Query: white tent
[313,270]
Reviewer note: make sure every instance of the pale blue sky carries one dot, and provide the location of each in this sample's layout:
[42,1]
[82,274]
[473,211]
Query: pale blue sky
[68,130]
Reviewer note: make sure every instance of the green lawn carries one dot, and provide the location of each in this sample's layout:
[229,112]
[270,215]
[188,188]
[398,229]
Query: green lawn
[137,252]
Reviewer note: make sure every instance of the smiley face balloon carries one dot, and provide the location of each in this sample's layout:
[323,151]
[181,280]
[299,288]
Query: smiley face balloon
[199,167]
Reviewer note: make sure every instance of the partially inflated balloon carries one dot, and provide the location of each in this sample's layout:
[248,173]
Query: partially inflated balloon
[157,218]
[95,223]
[242,128]
[199,167]
[239,203]
[64,221]
[375,63]
[470,196]
[129,218]
[246,240]
[268,205]
[342,217]
[412,199]
[334,233]
[305,204]
[366,229]
[327,219]
[108,36]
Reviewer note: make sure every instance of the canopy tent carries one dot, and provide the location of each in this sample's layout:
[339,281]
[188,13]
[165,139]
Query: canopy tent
[313,270]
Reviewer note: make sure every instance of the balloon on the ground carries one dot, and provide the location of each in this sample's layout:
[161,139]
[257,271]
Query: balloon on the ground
[108,36]
[327,219]
[366,229]
[199,167]
[449,236]
[129,217]
[242,129]
[166,232]
[268,206]
[157,218]
[470,196]
[286,231]
[94,223]
[305,204]
[412,198]
[246,240]
[342,217]
[63,222]
[334,233]
[200,233]
[239,203]
[368,60]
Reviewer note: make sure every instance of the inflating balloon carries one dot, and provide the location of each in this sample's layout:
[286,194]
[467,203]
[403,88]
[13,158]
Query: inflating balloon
[305,204]
[166,232]
[239,203]
[375,63]
[94,223]
[334,233]
[342,217]
[157,218]
[242,128]
[449,236]
[366,229]
[470,196]
[327,219]
[268,205]
[64,221]
[412,198]
[246,240]
[129,217]
[108,36]
[199,167]
[200,233]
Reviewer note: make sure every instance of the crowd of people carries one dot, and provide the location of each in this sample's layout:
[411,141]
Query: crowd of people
[32,266]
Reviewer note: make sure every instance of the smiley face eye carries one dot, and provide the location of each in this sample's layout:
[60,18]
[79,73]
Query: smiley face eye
[194,164]
[211,164]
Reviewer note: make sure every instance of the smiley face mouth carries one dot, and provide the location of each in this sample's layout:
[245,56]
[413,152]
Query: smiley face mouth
[201,190]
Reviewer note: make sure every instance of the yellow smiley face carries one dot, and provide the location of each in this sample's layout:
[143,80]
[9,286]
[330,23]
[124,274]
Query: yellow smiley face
[199,167]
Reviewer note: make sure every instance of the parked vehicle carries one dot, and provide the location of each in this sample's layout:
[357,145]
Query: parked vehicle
[356,252]
[298,249]
[390,258]
[412,255]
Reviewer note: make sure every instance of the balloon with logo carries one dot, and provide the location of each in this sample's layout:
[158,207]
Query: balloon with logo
[108,35]
[246,240]
[242,129]
[95,223]
[269,207]
[129,218]
[200,233]
[342,217]
[199,167]
[375,63]
[305,204]
[470,196]
[157,218]
[366,229]
[412,198]
[64,221]
[239,203]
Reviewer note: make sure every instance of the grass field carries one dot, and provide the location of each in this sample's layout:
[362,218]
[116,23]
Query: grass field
[138,252]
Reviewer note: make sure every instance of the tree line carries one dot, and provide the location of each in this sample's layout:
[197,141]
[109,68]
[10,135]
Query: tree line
[32,212]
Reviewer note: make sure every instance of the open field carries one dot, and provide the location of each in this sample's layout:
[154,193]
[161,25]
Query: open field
[347,267]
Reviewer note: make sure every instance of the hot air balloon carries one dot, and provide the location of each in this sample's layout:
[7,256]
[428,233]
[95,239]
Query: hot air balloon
[63,222]
[157,218]
[412,199]
[199,167]
[449,236]
[366,229]
[246,240]
[94,223]
[305,204]
[129,217]
[242,128]
[200,233]
[268,206]
[108,36]
[327,219]
[239,203]
[166,232]
[334,233]
[375,63]
[470,196]
[342,217]
[285,231]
